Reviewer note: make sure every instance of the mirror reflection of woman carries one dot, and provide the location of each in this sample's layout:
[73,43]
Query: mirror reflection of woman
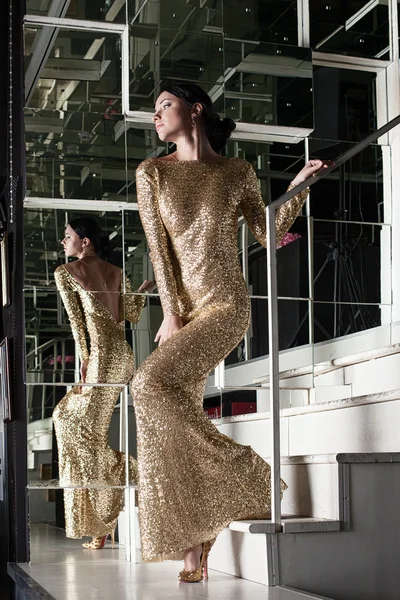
[193,481]
[97,299]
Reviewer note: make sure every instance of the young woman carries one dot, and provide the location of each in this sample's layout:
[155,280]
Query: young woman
[93,294]
[192,480]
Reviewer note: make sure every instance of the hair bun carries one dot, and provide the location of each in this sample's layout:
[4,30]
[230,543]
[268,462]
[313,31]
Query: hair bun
[218,130]
[104,240]
[106,246]
[228,125]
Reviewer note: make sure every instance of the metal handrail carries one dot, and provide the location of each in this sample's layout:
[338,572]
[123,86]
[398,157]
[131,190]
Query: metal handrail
[276,516]
[44,346]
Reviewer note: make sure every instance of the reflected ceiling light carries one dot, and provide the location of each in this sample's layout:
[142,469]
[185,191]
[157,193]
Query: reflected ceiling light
[113,235]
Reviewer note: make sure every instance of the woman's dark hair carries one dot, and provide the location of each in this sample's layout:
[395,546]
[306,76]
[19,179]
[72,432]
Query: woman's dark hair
[86,227]
[217,130]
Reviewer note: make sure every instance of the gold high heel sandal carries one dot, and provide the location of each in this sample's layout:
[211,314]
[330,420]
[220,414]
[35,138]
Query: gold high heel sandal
[98,543]
[202,571]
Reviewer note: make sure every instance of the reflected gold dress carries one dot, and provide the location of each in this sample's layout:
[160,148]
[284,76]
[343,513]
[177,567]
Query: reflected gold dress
[193,480]
[82,418]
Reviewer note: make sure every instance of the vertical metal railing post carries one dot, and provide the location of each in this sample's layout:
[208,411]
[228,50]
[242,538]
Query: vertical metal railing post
[273,367]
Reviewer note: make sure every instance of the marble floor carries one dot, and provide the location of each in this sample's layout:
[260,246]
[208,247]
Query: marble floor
[68,572]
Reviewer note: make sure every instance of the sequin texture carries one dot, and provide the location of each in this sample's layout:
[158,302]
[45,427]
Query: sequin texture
[82,419]
[193,480]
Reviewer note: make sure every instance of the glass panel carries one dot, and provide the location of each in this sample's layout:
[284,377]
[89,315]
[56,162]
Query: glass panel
[351,96]
[356,28]
[42,442]
[137,262]
[51,351]
[143,317]
[261,20]
[354,192]
[268,84]
[69,70]
[348,262]
[75,155]
[142,142]
[73,162]
[184,15]
[176,55]
[74,131]
[275,163]
[244,374]
[292,264]
[342,319]
[45,472]
[293,331]
[111,11]
[140,334]
[44,230]
[232,403]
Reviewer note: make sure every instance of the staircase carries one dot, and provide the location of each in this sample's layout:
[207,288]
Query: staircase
[350,553]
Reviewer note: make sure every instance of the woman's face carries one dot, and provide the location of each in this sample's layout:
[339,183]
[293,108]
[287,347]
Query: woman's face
[172,117]
[73,245]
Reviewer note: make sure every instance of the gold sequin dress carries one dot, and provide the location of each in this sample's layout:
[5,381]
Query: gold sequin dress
[193,480]
[82,419]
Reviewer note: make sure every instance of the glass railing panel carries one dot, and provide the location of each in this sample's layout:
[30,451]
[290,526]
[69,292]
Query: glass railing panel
[349,259]
[268,84]
[111,11]
[357,29]
[178,55]
[261,20]
[147,18]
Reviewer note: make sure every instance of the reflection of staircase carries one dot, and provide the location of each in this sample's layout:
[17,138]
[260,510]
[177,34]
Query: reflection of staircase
[349,367]
[40,439]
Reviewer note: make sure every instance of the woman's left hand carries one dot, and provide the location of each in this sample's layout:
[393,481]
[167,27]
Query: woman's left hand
[311,169]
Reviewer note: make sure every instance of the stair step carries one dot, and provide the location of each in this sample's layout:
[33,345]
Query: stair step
[289,525]
[309,525]
[281,592]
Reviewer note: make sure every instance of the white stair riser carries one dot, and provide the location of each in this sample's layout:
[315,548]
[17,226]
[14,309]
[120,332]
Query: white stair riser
[242,555]
[363,428]
[313,491]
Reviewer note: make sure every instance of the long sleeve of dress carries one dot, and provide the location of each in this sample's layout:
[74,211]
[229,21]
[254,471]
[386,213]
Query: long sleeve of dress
[134,304]
[253,208]
[157,237]
[74,310]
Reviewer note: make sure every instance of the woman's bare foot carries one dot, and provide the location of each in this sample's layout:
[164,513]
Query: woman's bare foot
[192,558]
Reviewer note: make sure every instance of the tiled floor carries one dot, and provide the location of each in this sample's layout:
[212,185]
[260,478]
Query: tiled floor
[68,572]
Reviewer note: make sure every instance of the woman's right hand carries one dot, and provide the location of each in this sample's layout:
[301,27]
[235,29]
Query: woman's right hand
[170,325]
[84,367]
[147,286]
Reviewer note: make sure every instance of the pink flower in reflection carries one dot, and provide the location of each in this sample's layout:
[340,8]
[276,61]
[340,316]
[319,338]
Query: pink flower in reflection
[288,238]
[67,359]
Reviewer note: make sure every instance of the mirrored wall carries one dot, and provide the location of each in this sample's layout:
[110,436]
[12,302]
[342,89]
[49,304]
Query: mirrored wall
[91,84]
